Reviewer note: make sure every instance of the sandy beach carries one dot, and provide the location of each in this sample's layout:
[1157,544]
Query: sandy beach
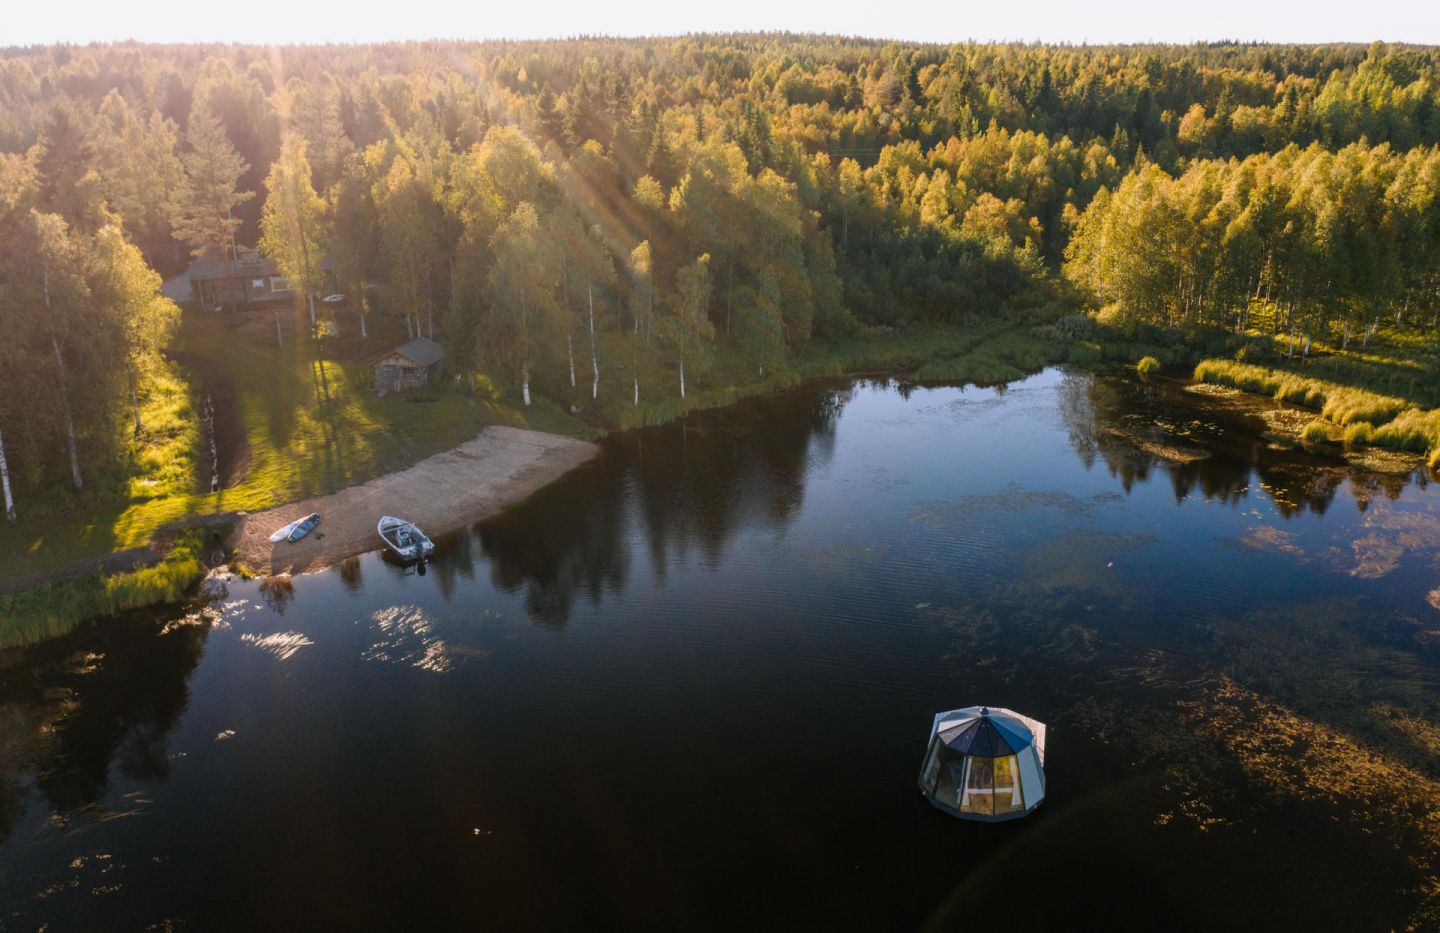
[500,467]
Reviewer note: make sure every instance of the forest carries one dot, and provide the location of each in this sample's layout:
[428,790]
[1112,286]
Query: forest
[598,222]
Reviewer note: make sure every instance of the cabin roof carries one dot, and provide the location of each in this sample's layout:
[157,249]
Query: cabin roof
[211,265]
[421,351]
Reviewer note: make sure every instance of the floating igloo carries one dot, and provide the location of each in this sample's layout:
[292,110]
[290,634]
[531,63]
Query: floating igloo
[985,763]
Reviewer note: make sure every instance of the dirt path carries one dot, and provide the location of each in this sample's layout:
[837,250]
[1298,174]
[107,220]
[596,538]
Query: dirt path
[498,468]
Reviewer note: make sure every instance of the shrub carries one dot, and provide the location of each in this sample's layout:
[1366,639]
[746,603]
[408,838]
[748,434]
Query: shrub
[1359,433]
[1316,432]
[1076,327]
[1147,366]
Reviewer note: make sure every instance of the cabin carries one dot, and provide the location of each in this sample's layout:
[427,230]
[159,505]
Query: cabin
[409,366]
[217,280]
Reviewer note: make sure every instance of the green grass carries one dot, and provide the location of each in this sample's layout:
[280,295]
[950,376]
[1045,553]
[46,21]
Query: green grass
[1147,366]
[53,609]
[1316,432]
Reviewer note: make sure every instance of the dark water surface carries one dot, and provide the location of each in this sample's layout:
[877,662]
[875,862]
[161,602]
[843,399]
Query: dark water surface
[690,687]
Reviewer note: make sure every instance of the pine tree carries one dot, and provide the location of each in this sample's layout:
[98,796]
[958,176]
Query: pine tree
[203,212]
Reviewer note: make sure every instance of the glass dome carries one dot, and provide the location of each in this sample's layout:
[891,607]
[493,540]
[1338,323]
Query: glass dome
[985,763]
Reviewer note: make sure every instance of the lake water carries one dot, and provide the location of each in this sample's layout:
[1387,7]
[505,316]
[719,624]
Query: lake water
[690,685]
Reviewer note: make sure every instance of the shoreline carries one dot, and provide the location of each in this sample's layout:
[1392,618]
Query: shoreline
[499,467]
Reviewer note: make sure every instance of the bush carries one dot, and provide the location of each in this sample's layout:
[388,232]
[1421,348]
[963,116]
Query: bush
[1359,433]
[1147,366]
[1316,432]
[1076,327]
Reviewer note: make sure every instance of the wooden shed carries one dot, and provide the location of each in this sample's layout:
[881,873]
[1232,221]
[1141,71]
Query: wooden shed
[409,366]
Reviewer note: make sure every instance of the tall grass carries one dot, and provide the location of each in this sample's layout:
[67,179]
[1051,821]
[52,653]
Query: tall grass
[53,609]
[1382,420]
[1414,430]
[1359,434]
[1341,404]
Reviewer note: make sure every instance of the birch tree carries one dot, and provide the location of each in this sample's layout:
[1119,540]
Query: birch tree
[5,482]
[64,296]
[521,295]
[127,292]
[410,243]
[292,221]
[690,330]
[642,304]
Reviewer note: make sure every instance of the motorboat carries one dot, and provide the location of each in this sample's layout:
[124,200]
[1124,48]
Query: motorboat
[402,537]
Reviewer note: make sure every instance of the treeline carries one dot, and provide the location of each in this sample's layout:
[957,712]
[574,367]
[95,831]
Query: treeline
[597,218]
[83,323]
[1306,241]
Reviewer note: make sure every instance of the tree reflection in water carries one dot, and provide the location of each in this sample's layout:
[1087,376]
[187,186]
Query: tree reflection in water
[106,696]
[1216,449]
[682,492]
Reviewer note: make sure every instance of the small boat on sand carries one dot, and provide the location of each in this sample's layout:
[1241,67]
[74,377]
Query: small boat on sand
[297,529]
[402,537]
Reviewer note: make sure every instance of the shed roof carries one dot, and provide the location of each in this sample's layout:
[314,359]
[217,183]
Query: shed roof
[422,351]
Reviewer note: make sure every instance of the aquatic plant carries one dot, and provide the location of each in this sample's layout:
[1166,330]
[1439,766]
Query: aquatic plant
[1147,366]
[1316,432]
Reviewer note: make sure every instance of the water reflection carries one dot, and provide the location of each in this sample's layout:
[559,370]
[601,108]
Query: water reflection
[1218,447]
[678,492]
[688,490]
[783,592]
[106,697]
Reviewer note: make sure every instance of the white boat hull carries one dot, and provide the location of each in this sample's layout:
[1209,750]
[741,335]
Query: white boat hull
[403,539]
